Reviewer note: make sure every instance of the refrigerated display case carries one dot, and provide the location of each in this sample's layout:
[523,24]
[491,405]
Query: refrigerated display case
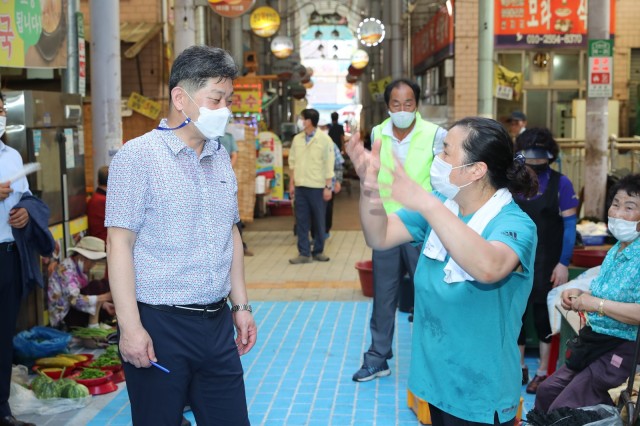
[46,127]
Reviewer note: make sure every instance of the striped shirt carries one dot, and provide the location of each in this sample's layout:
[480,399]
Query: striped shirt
[182,208]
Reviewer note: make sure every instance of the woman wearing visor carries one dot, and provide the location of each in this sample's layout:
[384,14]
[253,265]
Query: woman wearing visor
[553,209]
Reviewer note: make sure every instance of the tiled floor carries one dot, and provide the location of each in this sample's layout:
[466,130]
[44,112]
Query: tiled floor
[300,372]
[313,329]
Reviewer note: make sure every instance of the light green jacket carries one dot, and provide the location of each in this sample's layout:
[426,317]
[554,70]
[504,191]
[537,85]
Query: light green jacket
[417,164]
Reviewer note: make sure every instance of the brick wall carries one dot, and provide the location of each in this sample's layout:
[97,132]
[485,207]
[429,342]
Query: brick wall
[466,59]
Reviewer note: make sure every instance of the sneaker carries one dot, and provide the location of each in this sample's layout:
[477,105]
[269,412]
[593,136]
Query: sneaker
[300,259]
[533,386]
[321,257]
[368,372]
[525,375]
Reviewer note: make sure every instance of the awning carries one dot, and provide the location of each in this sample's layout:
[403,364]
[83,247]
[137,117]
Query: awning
[138,33]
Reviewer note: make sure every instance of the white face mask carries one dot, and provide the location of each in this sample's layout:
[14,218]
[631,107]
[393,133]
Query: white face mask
[440,173]
[624,230]
[3,124]
[402,119]
[300,124]
[212,123]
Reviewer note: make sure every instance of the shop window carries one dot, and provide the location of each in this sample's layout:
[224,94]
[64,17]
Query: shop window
[513,61]
[566,67]
[435,86]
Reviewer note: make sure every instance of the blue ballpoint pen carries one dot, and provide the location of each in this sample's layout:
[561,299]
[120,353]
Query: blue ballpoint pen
[155,364]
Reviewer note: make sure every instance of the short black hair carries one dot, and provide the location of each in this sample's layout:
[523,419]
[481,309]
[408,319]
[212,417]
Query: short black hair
[630,184]
[334,116]
[489,142]
[197,64]
[311,114]
[103,175]
[399,82]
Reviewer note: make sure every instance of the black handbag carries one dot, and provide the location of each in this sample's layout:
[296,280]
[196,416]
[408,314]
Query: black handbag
[588,346]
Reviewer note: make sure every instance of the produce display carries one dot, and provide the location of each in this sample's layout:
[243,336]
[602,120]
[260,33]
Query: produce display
[56,361]
[105,361]
[91,373]
[45,387]
[91,333]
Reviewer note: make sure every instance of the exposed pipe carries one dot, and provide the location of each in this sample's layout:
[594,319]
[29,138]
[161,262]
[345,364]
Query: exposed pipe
[201,33]
[70,81]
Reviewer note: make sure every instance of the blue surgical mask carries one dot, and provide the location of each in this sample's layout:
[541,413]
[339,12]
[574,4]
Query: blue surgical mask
[440,175]
[212,123]
[402,119]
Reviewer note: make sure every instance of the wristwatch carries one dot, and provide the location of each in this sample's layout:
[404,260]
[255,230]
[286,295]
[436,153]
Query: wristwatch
[243,307]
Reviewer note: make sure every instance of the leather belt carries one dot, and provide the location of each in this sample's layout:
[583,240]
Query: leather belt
[11,246]
[204,311]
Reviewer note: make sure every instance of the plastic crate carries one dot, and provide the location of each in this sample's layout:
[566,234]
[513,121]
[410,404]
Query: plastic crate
[421,408]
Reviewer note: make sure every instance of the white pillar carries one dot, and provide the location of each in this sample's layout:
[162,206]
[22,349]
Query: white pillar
[184,26]
[595,179]
[397,62]
[485,60]
[106,86]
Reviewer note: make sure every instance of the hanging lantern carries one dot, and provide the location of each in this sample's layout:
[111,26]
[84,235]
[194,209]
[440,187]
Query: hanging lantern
[298,91]
[281,47]
[354,71]
[264,21]
[231,8]
[351,78]
[301,70]
[371,32]
[359,59]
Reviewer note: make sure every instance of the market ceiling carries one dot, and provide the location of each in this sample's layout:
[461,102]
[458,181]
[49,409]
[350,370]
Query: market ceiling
[328,12]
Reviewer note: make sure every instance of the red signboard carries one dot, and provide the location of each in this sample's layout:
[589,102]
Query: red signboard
[434,41]
[543,23]
[231,8]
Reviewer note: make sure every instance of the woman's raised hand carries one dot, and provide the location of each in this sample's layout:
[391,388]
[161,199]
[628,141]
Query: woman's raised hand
[365,163]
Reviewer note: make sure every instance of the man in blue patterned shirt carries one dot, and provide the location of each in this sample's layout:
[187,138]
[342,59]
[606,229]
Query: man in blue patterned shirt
[175,255]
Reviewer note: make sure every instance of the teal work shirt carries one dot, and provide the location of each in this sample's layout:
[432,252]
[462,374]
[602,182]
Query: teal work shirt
[465,358]
[619,280]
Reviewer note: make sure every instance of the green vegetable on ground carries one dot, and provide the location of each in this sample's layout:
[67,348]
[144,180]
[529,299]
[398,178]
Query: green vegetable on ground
[91,373]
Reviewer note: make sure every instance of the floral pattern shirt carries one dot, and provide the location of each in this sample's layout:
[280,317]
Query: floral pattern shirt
[619,280]
[63,291]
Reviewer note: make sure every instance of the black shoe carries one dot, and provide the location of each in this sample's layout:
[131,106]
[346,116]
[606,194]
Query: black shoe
[12,421]
[368,372]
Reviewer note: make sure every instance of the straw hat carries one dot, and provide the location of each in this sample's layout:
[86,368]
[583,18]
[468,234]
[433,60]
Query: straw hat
[90,247]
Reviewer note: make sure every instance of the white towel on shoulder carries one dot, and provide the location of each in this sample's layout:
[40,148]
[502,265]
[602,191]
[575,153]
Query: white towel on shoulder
[435,250]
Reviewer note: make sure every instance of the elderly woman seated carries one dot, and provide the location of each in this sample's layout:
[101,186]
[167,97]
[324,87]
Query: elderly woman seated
[601,357]
[69,303]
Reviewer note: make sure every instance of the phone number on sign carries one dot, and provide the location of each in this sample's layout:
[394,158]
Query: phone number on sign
[549,39]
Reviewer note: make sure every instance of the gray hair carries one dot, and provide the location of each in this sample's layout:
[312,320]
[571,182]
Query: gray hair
[197,64]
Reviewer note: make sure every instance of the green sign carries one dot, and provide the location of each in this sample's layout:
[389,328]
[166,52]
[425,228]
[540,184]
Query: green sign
[600,47]
[28,19]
